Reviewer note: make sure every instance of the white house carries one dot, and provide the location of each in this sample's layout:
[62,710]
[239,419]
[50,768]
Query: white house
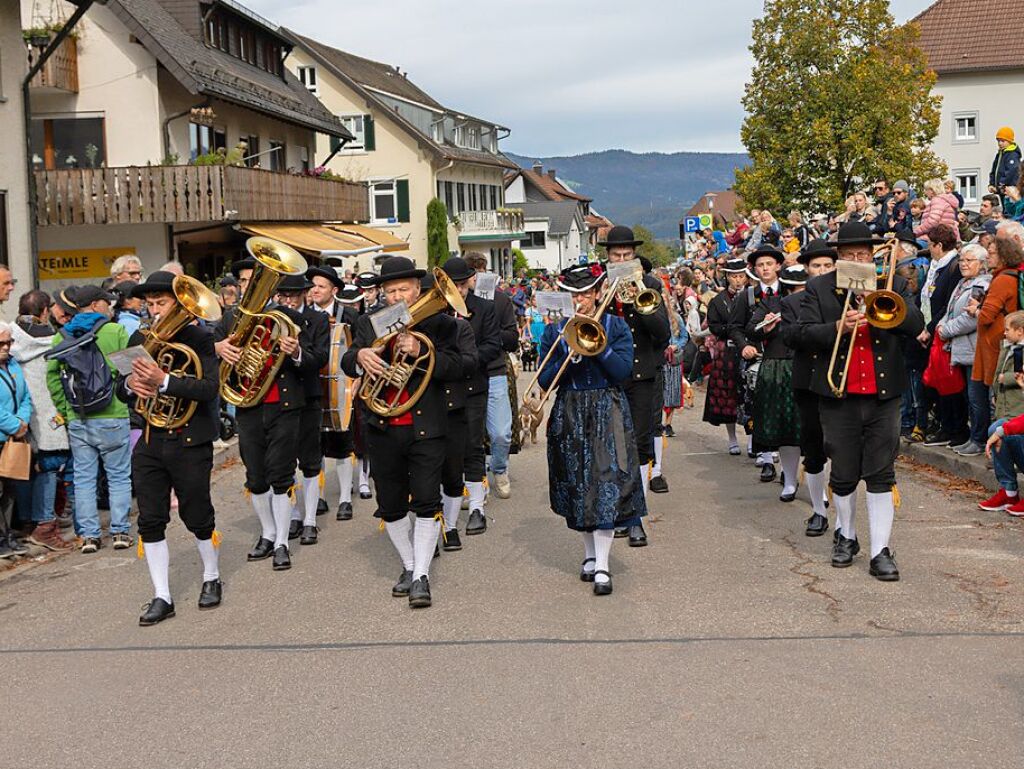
[556,235]
[978,56]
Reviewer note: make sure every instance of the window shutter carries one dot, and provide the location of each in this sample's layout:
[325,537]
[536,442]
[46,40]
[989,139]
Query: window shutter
[369,140]
[402,193]
[335,144]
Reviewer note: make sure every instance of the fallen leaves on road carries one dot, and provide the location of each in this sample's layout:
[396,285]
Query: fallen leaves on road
[940,479]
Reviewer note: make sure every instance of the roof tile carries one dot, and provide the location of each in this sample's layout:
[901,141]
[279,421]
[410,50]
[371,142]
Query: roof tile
[972,36]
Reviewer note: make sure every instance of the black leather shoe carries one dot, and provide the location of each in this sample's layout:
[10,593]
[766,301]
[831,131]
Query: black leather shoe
[659,485]
[586,576]
[767,472]
[402,587]
[309,535]
[282,558]
[477,523]
[603,588]
[263,548]
[843,552]
[294,529]
[344,511]
[365,495]
[451,541]
[789,497]
[883,567]
[817,525]
[621,532]
[419,594]
[209,596]
[637,536]
[321,506]
[156,611]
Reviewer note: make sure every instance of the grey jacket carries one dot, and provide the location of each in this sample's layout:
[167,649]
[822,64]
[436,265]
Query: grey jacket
[959,328]
[28,350]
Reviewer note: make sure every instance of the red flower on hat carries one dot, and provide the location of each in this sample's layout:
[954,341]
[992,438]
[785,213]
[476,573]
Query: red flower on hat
[595,270]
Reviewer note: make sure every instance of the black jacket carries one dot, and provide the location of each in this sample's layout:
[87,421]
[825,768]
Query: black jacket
[718,314]
[508,330]
[316,328]
[771,342]
[822,306]
[651,334]
[742,310]
[792,336]
[430,415]
[488,338]
[204,426]
[455,392]
[946,280]
[344,313]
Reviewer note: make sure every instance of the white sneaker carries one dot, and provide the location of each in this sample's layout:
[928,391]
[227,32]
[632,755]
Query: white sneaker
[502,487]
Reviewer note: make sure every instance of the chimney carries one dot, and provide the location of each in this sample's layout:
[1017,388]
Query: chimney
[538,167]
[551,172]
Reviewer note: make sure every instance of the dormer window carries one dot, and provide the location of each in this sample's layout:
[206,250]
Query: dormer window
[467,136]
[243,40]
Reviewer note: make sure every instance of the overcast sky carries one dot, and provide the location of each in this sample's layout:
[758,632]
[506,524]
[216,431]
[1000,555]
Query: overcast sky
[567,76]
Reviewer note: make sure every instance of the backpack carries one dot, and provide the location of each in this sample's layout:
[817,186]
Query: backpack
[84,372]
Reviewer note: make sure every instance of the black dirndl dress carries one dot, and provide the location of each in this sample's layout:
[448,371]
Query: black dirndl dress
[592,460]
[776,416]
[722,397]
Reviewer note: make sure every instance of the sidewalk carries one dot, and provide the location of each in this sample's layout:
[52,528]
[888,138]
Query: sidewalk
[941,458]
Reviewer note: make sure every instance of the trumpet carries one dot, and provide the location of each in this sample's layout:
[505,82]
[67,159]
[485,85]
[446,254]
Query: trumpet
[882,308]
[584,335]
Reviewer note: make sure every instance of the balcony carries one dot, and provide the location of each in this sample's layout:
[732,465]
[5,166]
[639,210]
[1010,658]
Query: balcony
[480,226]
[60,72]
[172,194]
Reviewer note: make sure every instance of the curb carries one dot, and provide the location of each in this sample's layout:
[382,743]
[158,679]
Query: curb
[940,457]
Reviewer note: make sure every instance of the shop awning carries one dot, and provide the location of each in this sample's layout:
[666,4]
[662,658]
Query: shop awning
[329,240]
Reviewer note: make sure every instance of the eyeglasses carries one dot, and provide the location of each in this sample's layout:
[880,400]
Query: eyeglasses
[135,273]
[6,342]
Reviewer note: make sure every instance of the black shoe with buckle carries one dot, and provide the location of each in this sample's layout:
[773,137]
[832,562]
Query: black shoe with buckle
[603,588]
[477,523]
[637,536]
[404,584]
[156,611]
[321,506]
[419,594]
[621,532]
[659,485]
[309,535]
[587,576]
[843,552]
[817,525]
[767,472]
[282,558]
[344,511]
[883,567]
[294,529]
[209,596]
[264,548]
[451,541]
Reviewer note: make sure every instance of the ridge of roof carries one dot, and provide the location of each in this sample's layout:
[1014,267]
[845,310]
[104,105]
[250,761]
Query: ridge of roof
[553,189]
[991,44]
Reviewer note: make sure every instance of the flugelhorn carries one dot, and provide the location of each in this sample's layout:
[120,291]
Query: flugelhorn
[194,300]
[633,291]
[256,331]
[382,394]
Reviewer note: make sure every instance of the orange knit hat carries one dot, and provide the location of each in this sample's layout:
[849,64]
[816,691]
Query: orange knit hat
[1005,133]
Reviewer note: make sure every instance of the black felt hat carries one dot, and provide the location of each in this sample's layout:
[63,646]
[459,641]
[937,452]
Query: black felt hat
[328,273]
[816,249]
[294,283]
[366,278]
[793,275]
[242,264]
[855,234]
[457,269]
[350,294]
[580,277]
[397,268]
[160,282]
[735,265]
[620,235]
[765,250]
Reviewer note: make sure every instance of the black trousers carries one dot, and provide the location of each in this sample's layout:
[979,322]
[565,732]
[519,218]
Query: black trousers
[812,440]
[406,472]
[658,405]
[862,438]
[166,463]
[642,403]
[454,453]
[268,440]
[474,461]
[311,458]
[337,445]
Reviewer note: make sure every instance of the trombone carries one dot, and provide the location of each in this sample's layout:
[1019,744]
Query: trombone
[584,335]
[882,308]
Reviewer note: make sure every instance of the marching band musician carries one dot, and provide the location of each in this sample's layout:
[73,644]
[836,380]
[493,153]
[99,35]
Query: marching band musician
[594,472]
[174,459]
[268,432]
[861,425]
[650,336]
[372,301]
[486,335]
[291,293]
[407,451]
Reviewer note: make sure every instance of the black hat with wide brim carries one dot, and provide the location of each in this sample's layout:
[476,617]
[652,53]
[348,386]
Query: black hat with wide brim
[242,264]
[396,268]
[816,249]
[620,235]
[457,269]
[350,294]
[765,250]
[735,265]
[580,277]
[855,234]
[293,283]
[328,273]
[160,282]
[793,275]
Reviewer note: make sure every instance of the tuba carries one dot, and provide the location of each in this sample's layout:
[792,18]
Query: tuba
[382,394]
[258,333]
[194,301]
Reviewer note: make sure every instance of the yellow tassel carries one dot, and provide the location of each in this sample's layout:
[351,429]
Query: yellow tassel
[896,499]
[248,494]
[465,491]
[216,539]
[800,475]
[382,525]
[439,517]
[650,469]
[320,481]
[140,549]
[292,494]
[831,502]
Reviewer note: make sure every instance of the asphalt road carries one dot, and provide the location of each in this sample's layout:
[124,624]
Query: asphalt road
[728,642]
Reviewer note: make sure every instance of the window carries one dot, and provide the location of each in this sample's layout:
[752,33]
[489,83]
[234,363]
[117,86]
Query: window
[68,143]
[252,150]
[356,126]
[494,197]
[239,38]
[472,198]
[467,136]
[449,198]
[383,202]
[533,240]
[307,76]
[304,159]
[204,139]
[967,184]
[460,197]
[965,127]
[276,160]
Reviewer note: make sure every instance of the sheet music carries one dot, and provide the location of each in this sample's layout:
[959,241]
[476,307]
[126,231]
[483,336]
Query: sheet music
[555,304]
[390,319]
[486,284]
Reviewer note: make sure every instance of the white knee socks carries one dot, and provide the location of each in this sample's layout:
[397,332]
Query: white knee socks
[816,488]
[400,531]
[211,559]
[310,498]
[364,475]
[764,458]
[424,540]
[158,559]
[344,468]
[602,549]
[730,429]
[845,508]
[645,478]
[296,515]
[261,504]
[659,448]
[281,504]
[881,511]
[790,467]
[589,553]
[452,508]
[476,495]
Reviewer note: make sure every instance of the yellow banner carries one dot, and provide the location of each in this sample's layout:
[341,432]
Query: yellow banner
[79,263]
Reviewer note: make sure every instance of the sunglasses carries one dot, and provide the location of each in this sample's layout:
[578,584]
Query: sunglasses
[6,343]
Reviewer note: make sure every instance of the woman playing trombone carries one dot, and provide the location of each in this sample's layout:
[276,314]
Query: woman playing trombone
[594,473]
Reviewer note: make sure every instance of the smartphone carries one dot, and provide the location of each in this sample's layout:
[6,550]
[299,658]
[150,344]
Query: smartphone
[978,293]
[1018,359]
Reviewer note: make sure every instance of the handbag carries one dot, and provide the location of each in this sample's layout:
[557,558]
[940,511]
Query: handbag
[940,374]
[16,454]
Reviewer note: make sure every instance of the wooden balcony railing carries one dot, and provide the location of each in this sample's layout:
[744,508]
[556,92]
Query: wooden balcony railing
[60,72]
[145,194]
